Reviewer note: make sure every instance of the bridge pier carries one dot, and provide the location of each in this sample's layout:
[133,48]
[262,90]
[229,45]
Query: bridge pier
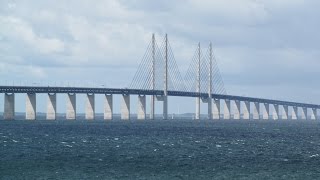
[304,113]
[275,115]
[125,107]
[227,109]
[90,108]
[108,107]
[256,111]
[31,106]
[246,110]
[197,115]
[314,114]
[294,113]
[152,107]
[285,112]
[266,111]
[236,114]
[210,113]
[141,107]
[9,106]
[165,107]
[216,109]
[71,107]
[51,107]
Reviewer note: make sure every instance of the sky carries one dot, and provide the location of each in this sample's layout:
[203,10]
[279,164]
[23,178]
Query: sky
[264,48]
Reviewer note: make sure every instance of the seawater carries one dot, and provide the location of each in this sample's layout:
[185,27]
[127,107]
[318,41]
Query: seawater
[175,149]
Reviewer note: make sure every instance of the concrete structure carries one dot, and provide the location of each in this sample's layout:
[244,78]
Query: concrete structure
[294,113]
[216,109]
[256,110]
[90,109]
[165,90]
[227,109]
[153,74]
[236,114]
[141,115]
[285,112]
[275,112]
[9,106]
[125,107]
[71,107]
[304,113]
[246,110]
[198,84]
[31,107]
[314,114]
[52,107]
[108,107]
[266,112]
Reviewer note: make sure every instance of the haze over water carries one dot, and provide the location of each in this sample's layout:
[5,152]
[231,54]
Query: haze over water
[175,149]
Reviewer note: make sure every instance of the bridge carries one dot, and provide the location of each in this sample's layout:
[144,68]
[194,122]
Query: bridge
[158,77]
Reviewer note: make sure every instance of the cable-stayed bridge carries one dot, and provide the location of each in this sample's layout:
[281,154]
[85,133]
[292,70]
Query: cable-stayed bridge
[159,77]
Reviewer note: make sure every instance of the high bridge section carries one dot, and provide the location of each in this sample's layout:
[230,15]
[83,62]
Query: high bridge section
[158,76]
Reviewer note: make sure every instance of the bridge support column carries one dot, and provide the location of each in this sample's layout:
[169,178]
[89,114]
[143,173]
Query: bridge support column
[210,113]
[9,107]
[125,107]
[141,107]
[165,107]
[152,107]
[51,107]
[216,109]
[246,110]
[31,107]
[71,107]
[90,108]
[236,114]
[304,113]
[285,112]
[227,109]
[197,116]
[276,112]
[266,111]
[294,113]
[108,107]
[256,111]
[314,114]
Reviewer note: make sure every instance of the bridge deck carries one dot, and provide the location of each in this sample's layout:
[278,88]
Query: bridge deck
[84,90]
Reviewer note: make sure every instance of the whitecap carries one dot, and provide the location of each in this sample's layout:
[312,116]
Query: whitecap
[14,141]
[155,150]
[116,139]
[64,142]
[218,146]
[117,146]
[68,145]
[197,141]
[314,155]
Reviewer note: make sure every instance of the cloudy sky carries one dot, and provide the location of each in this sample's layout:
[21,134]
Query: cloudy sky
[265,48]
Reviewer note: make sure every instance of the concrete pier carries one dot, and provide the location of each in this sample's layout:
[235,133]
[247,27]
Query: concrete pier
[304,113]
[51,107]
[276,115]
[90,108]
[71,107]
[210,114]
[256,110]
[108,107]
[152,107]
[266,111]
[216,109]
[141,107]
[9,107]
[197,115]
[285,112]
[125,107]
[246,110]
[294,113]
[236,114]
[227,109]
[314,114]
[165,107]
[31,107]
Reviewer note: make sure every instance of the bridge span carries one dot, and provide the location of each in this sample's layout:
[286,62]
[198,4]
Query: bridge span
[158,76]
[242,105]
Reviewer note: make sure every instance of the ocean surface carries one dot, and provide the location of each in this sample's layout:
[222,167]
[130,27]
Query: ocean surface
[172,149]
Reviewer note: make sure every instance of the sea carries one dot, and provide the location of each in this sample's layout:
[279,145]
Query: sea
[160,149]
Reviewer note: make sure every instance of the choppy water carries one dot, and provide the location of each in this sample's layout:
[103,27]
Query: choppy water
[159,150]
